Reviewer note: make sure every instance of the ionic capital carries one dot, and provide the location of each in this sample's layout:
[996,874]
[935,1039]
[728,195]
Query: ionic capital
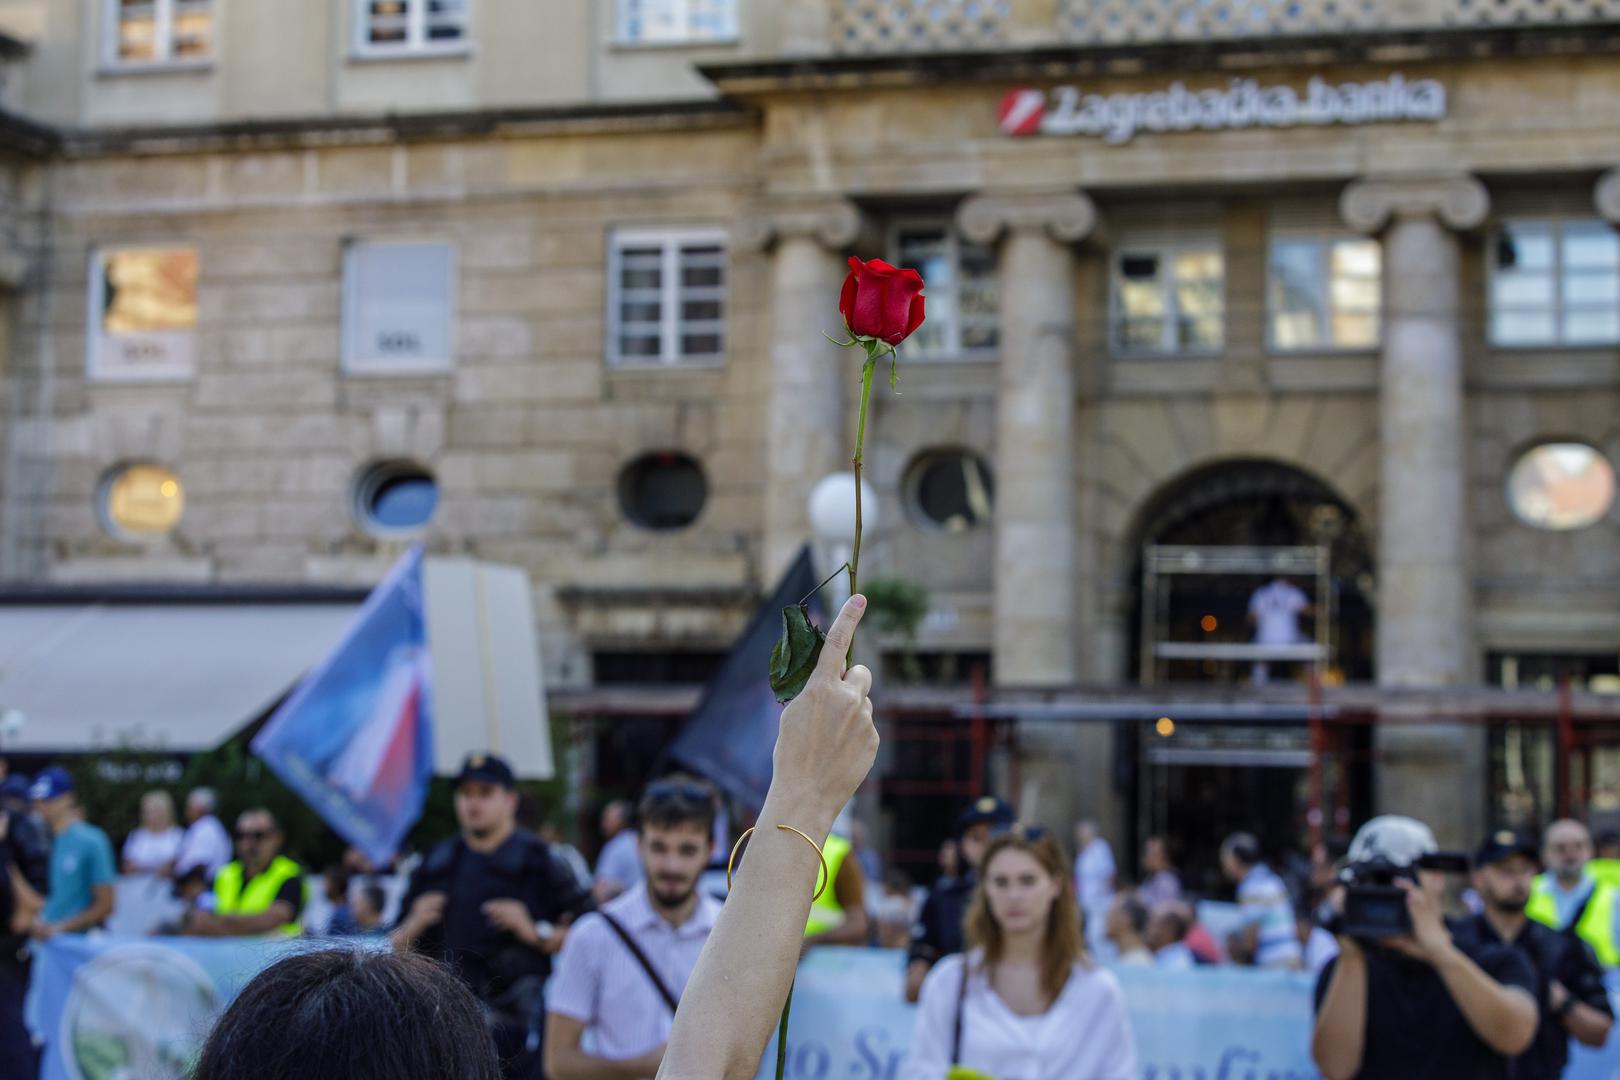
[833,222]
[1067,216]
[1459,202]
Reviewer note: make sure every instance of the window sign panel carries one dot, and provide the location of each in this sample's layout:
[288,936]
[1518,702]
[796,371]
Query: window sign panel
[143,305]
[398,307]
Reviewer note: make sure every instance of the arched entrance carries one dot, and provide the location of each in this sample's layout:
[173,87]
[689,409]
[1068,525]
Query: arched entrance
[1243,526]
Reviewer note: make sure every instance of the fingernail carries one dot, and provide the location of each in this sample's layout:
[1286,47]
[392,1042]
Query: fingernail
[858,600]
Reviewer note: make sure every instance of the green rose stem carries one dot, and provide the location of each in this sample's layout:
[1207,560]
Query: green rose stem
[860,443]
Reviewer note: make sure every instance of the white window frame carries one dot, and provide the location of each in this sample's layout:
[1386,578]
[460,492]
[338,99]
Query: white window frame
[163,31]
[183,365]
[621,20]
[670,242]
[351,363]
[416,41]
[1166,251]
[1325,239]
[953,349]
[1556,224]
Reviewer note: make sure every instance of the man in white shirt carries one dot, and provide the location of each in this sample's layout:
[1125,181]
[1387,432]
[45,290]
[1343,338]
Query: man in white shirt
[206,844]
[623,967]
[1274,611]
[1093,881]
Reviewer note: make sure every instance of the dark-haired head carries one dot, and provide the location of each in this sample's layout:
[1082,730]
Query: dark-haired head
[351,1014]
[677,837]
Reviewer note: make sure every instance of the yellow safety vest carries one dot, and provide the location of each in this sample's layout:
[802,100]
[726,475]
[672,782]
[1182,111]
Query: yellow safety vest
[1596,927]
[827,913]
[230,898]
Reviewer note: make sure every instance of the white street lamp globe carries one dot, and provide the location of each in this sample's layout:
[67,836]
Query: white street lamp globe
[11,723]
[832,508]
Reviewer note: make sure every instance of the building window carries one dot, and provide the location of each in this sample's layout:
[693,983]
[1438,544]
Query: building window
[963,307]
[1561,486]
[398,307]
[1324,293]
[659,22]
[666,297]
[1555,283]
[160,31]
[949,490]
[392,27]
[1169,299]
[143,314]
[141,501]
[395,498]
[663,491]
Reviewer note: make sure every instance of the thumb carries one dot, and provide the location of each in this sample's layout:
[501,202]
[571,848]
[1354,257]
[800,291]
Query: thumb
[839,635]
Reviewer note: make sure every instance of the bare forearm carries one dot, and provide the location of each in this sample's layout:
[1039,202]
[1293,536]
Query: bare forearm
[854,930]
[1589,1026]
[1341,1024]
[1504,1018]
[734,1007]
[92,916]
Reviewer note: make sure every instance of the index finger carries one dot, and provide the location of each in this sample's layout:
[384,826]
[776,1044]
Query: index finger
[839,636]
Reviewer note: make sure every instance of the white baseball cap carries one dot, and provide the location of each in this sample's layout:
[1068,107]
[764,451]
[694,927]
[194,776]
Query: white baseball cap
[1402,841]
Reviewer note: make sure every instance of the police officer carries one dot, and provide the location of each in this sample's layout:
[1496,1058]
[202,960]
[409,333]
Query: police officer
[938,932]
[260,892]
[1570,992]
[492,902]
[1569,897]
[24,865]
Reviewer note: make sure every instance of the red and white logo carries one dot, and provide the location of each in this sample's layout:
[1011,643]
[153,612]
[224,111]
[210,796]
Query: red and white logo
[1022,111]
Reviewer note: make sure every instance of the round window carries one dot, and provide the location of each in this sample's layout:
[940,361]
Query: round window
[1561,485]
[142,501]
[949,490]
[663,491]
[396,497]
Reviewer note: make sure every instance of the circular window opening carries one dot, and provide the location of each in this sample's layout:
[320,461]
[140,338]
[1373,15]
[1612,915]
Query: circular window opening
[663,491]
[1561,485]
[949,490]
[142,501]
[396,497]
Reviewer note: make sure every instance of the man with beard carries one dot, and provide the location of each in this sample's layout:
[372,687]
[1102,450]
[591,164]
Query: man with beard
[624,967]
[1570,993]
[490,902]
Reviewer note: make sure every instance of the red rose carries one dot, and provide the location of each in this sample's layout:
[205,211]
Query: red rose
[881,301]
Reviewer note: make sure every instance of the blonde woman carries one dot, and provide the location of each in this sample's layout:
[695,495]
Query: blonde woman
[1025,1002]
[152,848]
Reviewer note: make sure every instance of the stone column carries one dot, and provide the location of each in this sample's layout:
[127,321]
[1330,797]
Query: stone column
[1425,608]
[804,434]
[1035,594]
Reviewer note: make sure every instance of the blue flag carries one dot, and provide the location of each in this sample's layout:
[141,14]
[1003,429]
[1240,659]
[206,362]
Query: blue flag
[730,736]
[355,740]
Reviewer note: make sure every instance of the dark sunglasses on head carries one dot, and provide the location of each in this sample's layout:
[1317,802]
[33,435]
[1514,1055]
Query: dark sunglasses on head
[253,834]
[678,789]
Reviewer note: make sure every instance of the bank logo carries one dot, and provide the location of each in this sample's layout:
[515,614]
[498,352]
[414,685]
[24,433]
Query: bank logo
[1243,103]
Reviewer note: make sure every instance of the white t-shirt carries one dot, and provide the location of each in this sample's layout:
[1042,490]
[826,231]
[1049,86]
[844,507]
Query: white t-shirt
[1094,875]
[1085,1035]
[205,844]
[148,851]
[1276,609]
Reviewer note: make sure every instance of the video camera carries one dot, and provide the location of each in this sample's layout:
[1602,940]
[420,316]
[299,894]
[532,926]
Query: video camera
[1374,905]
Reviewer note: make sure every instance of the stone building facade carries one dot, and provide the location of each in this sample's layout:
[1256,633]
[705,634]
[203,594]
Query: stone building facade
[1177,253]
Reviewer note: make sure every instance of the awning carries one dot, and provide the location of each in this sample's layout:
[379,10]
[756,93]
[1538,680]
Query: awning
[154,675]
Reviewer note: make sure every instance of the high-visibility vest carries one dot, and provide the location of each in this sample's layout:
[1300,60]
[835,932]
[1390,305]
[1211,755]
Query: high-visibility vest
[230,898]
[827,913]
[1596,926]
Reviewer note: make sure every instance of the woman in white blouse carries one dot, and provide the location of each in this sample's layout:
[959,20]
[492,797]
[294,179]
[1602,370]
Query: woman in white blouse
[152,848]
[1025,1003]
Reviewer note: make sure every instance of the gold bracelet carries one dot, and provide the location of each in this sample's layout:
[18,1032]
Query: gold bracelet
[825,875]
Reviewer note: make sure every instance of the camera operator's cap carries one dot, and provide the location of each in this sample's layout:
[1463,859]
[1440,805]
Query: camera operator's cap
[487,768]
[1505,843]
[1401,841]
[49,784]
[988,810]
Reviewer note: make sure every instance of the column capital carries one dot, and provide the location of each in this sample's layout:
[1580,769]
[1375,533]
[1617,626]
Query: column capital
[832,221]
[1607,196]
[1459,201]
[1067,216]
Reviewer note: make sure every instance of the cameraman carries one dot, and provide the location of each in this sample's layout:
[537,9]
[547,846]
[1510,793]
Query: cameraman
[1417,1005]
[24,860]
[1571,995]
